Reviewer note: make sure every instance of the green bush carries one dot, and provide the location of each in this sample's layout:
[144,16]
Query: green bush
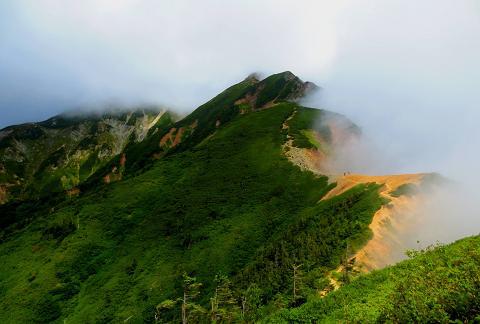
[439,285]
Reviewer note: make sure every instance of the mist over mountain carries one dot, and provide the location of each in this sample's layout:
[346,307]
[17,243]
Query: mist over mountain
[242,190]
[169,162]
[411,84]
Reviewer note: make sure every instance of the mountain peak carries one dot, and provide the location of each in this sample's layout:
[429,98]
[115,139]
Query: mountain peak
[253,77]
[278,87]
[288,75]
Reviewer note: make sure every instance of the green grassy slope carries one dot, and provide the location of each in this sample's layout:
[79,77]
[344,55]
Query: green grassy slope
[438,285]
[246,96]
[230,204]
[211,196]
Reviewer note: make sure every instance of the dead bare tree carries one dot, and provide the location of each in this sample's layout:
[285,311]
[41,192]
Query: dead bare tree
[296,280]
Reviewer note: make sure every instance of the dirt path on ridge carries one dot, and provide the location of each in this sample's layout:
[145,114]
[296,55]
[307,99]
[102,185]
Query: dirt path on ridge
[388,223]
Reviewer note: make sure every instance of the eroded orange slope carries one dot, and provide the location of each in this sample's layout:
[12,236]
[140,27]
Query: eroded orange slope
[389,224]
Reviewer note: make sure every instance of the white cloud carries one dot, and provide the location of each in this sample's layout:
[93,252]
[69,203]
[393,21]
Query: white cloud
[407,72]
[175,52]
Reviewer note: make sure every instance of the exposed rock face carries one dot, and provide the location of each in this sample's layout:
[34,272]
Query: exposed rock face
[61,152]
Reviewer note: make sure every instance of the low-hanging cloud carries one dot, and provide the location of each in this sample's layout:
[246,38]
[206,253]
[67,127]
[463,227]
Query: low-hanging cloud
[56,55]
[407,73]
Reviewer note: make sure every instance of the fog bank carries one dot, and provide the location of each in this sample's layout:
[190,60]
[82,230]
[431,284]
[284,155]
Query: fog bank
[58,55]
[408,75]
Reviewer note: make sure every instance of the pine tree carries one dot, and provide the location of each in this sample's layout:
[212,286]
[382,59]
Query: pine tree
[251,301]
[348,265]
[191,290]
[223,302]
[189,309]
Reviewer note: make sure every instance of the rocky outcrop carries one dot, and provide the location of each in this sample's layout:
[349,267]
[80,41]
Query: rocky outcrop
[58,154]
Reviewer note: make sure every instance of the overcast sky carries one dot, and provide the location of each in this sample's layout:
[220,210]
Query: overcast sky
[406,71]
[56,54]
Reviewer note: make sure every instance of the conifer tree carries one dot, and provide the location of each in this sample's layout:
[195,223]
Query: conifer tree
[189,309]
[223,302]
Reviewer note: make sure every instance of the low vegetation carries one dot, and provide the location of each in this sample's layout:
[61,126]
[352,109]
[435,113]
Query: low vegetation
[440,284]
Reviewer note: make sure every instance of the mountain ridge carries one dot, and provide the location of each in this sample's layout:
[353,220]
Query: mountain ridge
[123,122]
[233,196]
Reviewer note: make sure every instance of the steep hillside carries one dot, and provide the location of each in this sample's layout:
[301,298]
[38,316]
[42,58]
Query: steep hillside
[68,152]
[390,222]
[231,205]
[247,96]
[404,194]
[437,285]
[220,199]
